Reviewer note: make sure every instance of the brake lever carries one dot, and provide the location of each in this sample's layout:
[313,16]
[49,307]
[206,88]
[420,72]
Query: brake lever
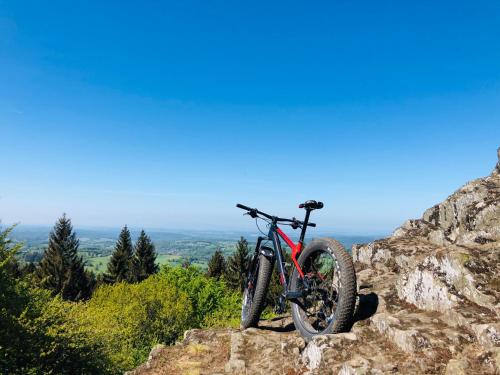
[252,214]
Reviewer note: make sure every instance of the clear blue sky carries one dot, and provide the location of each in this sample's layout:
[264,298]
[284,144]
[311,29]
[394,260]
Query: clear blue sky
[166,114]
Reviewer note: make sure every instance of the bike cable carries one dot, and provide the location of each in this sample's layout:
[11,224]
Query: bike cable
[257,224]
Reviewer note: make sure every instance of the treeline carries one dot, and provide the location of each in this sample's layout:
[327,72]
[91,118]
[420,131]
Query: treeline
[131,263]
[62,271]
[56,317]
[233,270]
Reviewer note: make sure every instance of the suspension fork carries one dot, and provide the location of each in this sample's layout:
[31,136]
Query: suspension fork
[257,246]
[255,259]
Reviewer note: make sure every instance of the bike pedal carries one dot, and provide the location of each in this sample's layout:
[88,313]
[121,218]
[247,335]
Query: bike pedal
[279,310]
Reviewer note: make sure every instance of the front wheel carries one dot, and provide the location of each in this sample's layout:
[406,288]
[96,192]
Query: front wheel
[254,295]
[328,289]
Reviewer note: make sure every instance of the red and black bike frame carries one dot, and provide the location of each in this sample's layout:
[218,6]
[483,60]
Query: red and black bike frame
[275,233]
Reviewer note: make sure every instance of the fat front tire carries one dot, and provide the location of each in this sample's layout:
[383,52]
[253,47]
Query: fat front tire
[341,319]
[254,298]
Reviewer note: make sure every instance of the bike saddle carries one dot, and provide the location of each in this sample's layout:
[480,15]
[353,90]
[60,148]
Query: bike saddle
[311,205]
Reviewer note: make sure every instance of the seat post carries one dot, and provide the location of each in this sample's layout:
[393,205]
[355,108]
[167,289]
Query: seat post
[304,226]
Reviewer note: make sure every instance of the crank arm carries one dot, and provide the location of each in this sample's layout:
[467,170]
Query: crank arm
[294,298]
[293,295]
[297,302]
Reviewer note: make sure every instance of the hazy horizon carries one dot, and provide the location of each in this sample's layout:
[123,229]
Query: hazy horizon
[249,230]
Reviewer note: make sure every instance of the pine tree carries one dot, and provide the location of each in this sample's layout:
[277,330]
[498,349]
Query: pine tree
[78,283]
[9,265]
[237,265]
[216,265]
[120,264]
[144,257]
[28,269]
[61,269]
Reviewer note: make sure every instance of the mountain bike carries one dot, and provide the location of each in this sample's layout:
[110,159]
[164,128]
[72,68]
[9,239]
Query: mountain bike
[322,285]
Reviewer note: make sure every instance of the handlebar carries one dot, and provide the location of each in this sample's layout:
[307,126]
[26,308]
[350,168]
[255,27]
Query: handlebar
[254,212]
[242,206]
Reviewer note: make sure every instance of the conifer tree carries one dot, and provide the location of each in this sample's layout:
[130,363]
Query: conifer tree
[144,257]
[28,269]
[237,265]
[78,283]
[9,267]
[216,265]
[120,264]
[61,269]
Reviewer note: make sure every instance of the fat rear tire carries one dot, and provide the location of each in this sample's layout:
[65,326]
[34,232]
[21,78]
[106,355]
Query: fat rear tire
[347,296]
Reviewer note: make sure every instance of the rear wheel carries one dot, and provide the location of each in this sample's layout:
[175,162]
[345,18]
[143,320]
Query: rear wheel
[254,295]
[329,289]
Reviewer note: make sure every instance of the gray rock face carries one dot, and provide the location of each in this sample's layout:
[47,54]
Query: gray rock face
[438,279]
[429,303]
[470,215]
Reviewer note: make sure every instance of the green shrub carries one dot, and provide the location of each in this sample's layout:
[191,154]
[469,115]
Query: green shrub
[214,304]
[56,342]
[41,335]
[35,335]
[228,313]
[129,319]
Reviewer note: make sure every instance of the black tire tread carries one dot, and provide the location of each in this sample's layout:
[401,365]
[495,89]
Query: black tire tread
[345,309]
[259,297]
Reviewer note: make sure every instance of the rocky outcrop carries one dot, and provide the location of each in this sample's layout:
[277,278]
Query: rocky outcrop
[437,279]
[469,216]
[429,303]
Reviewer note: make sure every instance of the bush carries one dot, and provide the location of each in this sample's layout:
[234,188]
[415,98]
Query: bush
[214,304]
[41,335]
[35,337]
[55,343]
[129,319]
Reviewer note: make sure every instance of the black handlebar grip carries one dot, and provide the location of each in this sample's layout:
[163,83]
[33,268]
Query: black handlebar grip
[244,207]
[311,224]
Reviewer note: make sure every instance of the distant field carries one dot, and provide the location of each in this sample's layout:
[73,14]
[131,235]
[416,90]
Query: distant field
[97,264]
[96,245]
[100,264]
